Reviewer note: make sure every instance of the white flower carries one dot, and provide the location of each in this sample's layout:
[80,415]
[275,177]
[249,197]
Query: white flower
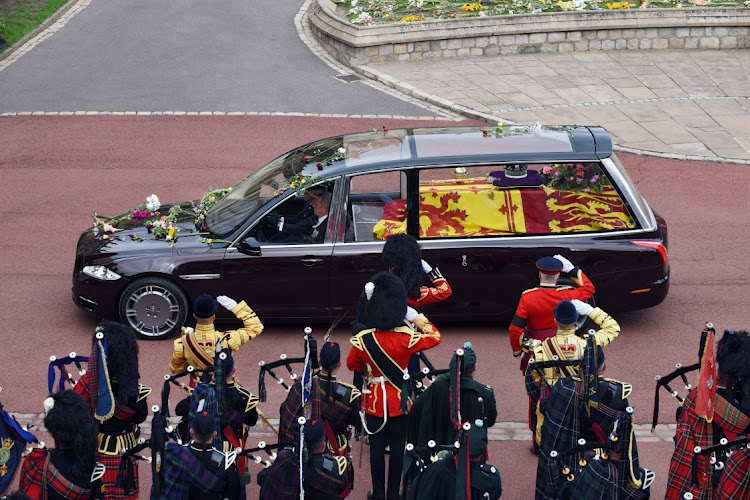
[482,14]
[354,3]
[341,151]
[152,203]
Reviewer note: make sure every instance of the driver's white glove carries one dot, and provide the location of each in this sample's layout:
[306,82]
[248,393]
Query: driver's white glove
[411,313]
[426,267]
[583,308]
[567,265]
[226,302]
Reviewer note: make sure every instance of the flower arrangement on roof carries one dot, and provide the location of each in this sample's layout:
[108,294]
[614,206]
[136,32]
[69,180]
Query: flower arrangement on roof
[576,177]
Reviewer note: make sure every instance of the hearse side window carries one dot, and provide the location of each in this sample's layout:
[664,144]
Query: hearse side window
[373,198]
[301,219]
[516,200]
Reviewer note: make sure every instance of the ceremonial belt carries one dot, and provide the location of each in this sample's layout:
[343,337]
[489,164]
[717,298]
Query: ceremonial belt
[540,334]
[552,348]
[390,370]
[195,349]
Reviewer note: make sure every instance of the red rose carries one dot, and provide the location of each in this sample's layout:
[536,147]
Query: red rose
[385,129]
[307,157]
[132,236]
[319,165]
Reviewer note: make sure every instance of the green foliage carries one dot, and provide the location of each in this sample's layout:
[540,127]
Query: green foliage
[20,18]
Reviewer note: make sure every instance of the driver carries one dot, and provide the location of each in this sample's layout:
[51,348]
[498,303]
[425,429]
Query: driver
[310,229]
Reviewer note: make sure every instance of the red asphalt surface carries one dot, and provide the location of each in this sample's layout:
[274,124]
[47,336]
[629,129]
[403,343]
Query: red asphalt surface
[57,171]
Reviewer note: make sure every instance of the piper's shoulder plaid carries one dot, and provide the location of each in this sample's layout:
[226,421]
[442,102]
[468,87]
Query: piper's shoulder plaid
[282,482]
[181,469]
[36,466]
[325,476]
[112,466]
[335,412]
[735,482]
[694,431]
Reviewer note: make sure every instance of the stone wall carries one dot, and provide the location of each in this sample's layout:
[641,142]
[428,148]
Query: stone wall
[636,29]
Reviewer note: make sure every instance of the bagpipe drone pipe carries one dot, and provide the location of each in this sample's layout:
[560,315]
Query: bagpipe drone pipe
[706,349]
[719,457]
[13,440]
[62,364]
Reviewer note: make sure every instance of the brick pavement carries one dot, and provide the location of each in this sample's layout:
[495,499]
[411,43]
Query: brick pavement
[684,104]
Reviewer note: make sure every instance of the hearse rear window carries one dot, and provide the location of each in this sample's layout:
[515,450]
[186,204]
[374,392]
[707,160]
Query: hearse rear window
[512,200]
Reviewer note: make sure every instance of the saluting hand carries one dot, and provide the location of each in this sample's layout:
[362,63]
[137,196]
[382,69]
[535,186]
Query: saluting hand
[226,302]
[567,265]
[411,313]
[426,267]
[583,308]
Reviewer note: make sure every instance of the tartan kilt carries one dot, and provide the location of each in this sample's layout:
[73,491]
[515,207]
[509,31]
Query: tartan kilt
[735,482]
[112,465]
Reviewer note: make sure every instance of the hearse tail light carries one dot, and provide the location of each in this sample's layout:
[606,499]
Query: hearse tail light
[652,244]
[101,273]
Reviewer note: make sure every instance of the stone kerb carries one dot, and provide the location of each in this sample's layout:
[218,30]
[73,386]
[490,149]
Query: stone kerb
[634,29]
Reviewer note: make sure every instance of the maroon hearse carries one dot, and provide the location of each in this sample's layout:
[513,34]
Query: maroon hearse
[485,204]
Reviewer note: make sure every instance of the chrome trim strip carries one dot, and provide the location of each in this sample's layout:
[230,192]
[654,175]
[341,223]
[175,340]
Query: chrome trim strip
[193,277]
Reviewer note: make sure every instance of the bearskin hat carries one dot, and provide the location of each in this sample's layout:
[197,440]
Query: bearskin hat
[122,359]
[386,301]
[733,353]
[402,255]
[68,418]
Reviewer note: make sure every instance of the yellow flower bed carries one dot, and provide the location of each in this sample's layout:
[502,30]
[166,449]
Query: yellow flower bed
[472,7]
[618,5]
[411,19]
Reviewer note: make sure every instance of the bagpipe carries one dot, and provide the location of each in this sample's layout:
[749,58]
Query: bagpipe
[62,367]
[13,440]
[705,350]
[719,456]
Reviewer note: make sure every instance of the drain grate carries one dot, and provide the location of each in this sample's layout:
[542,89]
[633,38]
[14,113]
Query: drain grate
[348,78]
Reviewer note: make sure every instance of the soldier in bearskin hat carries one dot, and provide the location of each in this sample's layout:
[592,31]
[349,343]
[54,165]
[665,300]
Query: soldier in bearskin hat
[69,470]
[731,417]
[116,399]
[384,351]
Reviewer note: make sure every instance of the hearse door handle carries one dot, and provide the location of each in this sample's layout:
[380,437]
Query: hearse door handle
[310,261]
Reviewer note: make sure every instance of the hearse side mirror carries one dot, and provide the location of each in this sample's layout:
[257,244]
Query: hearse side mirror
[249,246]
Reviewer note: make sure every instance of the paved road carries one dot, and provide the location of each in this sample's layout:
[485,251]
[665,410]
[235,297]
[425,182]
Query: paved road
[682,103]
[58,170]
[140,55]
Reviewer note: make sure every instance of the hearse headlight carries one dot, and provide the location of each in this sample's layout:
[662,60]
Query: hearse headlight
[101,273]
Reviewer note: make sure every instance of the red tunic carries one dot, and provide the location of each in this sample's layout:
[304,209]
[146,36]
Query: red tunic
[399,344]
[535,313]
[440,290]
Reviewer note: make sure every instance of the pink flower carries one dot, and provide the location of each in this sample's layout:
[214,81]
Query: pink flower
[556,173]
[595,178]
[546,170]
[570,178]
[586,190]
[108,228]
[579,180]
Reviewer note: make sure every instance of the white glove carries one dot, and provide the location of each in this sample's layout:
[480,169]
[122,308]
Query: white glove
[411,313]
[226,302]
[583,308]
[567,265]
[426,267]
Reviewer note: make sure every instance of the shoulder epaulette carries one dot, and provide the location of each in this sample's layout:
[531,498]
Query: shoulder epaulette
[356,341]
[354,393]
[414,335]
[564,287]
[252,402]
[530,290]
[627,389]
[341,462]
[98,472]
[143,391]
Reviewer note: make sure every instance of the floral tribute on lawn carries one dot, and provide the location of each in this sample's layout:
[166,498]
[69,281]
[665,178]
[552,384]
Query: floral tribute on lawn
[160,221]
[369,12]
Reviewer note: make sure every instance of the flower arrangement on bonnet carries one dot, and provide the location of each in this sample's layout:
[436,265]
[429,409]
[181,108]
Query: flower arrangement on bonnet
[161,226]
[576,177]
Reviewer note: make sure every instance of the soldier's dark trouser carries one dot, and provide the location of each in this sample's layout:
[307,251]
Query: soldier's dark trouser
[393,435]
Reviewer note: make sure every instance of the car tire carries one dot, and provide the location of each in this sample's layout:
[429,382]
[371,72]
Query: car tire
[154,307]
[584,323]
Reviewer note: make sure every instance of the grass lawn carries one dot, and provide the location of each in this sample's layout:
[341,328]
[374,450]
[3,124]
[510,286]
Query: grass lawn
[18,17]
[367,12]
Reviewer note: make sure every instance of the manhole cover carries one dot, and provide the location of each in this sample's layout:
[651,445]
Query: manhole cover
[348,78]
